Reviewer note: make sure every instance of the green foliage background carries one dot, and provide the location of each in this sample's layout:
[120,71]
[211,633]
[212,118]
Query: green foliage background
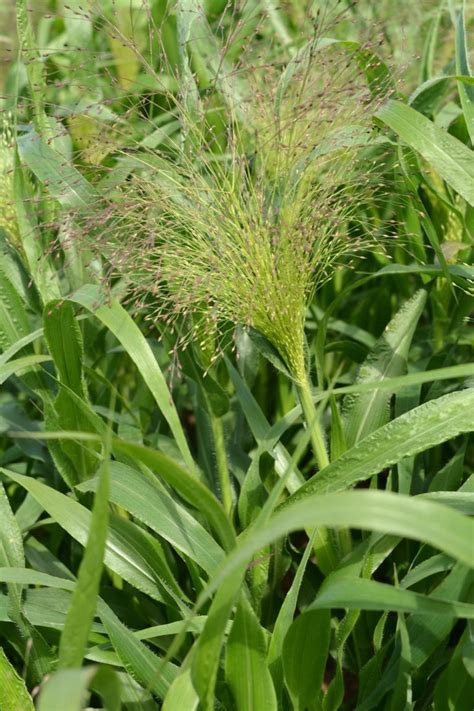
[167,538]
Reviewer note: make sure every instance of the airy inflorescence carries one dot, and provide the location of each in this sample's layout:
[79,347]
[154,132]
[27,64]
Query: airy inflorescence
[245,236]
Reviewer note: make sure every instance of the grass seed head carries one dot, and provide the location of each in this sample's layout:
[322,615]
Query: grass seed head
[263,187]
[247,236]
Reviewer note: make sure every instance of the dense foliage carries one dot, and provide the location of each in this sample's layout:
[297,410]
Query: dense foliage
[236,288]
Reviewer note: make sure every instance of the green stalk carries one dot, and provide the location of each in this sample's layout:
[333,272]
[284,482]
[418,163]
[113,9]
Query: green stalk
[312,422]
[221,461]
[330,545]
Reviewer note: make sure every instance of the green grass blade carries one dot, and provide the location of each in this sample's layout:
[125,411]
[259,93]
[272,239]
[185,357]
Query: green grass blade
[137,659]
[402,696]
[445,153]
[206,659]
[245,664]
[455,687]
[14,321]
[435,564]
[65,183]
[74,518]
[75,460]
[11,546]
[142,496]
[426,634]
[19,344]
[365,413]
[64,340]
[203,62]
[262,431]
[26,576]
[393,384]
[12,555]
[338,438]
[187,486]
[71,409]
[207,654]
[419,429]
[277,18]
[67,690]
[35,68]
[187,13]
[39,265]
[46,610]
[384,512]
[305,652]
[21,365]
[73,642]
[181,694]
[135,656]
[284,620]
[118,321]
[466,91]
[13,692]
[462,274]
[429,48]
[362,594]
[463,370]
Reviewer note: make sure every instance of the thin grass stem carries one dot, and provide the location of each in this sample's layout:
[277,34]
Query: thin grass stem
[312,422]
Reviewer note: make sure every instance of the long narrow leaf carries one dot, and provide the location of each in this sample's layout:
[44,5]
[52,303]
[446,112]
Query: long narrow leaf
[118,321]
[246,667]
[14,695]
[358,593]
[138,494]
[120,556]
[73,643]
[364,413]
[446,154]
[396,514]
[415,431]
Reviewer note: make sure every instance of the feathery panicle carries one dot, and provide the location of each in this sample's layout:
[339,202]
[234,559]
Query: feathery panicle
[256,194]
[247,238]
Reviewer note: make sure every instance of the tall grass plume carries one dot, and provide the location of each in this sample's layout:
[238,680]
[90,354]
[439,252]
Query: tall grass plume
[246,236]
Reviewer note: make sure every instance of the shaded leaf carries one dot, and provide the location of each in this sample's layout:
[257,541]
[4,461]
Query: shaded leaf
[305,651]
[246,667]
[446,154]
[14,695]
[79,618]
[366,412]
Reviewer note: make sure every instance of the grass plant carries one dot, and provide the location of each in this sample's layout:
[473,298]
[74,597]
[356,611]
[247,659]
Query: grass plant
[236,290]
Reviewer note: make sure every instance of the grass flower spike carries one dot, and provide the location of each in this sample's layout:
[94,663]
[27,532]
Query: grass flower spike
[247,239]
